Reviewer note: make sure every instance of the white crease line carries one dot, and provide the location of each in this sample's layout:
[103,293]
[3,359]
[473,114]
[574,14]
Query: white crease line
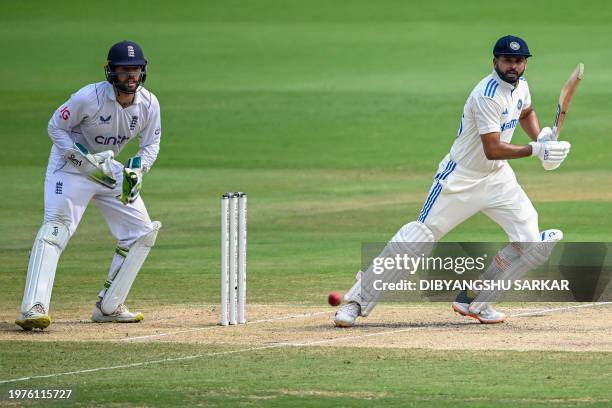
[362,336]
[558,309]
[144,363]
[274,319]
[272,346]
[196,356]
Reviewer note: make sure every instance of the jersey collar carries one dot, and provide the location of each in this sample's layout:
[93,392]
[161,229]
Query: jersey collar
[503,84]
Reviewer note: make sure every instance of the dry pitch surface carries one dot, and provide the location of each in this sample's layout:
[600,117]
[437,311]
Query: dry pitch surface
[562,327]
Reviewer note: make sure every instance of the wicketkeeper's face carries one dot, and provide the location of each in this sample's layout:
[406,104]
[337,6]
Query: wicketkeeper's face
[510,68]
[129,76]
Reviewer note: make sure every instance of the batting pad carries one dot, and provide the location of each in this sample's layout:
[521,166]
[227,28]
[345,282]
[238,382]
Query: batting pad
[50,241]
[414,240]
[121,285]
[513,261]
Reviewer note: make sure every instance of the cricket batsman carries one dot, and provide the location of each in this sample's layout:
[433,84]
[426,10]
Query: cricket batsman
[475,176]
[87,132]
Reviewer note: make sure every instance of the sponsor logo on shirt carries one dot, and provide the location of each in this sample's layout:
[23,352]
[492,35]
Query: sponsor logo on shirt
[509,125]
[505,112]
[111,140]
[105,120]
[519,105]
[65,113]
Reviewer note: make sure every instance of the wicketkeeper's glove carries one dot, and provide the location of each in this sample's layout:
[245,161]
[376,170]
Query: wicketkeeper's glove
[132,180]
[98,167]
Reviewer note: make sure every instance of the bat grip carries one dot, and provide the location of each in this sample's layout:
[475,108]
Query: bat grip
[555,132]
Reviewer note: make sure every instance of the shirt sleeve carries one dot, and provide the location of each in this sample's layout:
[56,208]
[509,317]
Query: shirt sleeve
[488,115]
[527,100]
[64,119]
[150,136]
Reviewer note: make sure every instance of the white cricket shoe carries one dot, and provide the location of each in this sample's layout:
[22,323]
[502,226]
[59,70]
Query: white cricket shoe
[346,315]
[35,318]
[121,315]
[481,311]
[486,314]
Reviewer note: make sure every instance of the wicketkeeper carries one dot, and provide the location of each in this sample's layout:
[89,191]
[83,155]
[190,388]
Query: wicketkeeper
[476,177]
[87,132]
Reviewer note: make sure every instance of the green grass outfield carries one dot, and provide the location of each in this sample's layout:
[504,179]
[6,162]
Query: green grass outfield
[326,377]
[332,116]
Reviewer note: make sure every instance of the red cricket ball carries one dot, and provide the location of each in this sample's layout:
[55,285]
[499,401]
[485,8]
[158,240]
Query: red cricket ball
[334,298]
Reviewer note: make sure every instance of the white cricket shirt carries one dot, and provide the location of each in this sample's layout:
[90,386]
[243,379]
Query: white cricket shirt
[493,106]
[93,117]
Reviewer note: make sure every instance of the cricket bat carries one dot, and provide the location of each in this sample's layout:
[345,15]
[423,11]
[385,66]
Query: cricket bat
[566,97]
[567,92]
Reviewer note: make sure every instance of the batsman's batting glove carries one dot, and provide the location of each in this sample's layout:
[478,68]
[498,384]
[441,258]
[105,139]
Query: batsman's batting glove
[546,135]
[550,153]
[132,180]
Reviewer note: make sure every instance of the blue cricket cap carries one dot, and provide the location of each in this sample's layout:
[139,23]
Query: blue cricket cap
[511,45]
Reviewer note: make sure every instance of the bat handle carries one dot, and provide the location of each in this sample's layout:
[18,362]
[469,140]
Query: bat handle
[555,132]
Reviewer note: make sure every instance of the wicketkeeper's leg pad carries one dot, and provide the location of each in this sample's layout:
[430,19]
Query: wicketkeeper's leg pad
[50,241]
[122,283]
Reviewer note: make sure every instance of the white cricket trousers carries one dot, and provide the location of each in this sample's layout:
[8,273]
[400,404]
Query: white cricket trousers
[458,193]
[67,195]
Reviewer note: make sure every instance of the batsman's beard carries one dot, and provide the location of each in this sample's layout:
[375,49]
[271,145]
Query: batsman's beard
[504,78]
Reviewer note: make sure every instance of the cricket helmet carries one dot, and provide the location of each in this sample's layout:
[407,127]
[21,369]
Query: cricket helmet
[125,54]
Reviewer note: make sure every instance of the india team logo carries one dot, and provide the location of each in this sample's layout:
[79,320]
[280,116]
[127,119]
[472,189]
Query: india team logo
[515,46]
